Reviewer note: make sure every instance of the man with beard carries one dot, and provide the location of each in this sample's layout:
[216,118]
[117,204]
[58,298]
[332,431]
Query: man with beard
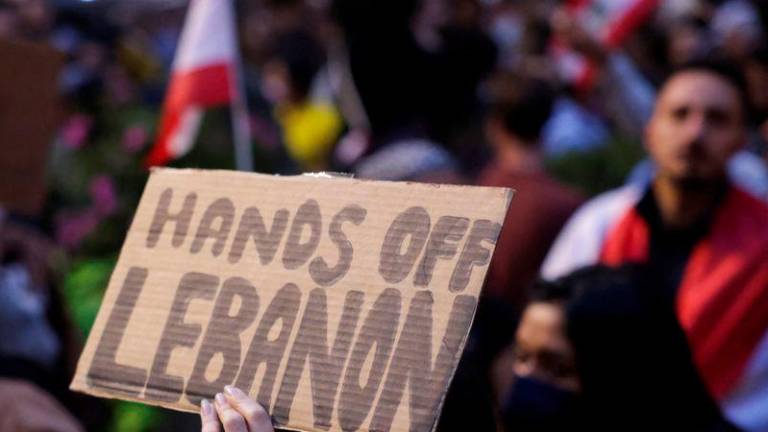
[704,237]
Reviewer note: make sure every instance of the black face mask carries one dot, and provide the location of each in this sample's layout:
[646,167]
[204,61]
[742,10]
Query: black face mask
[532,405]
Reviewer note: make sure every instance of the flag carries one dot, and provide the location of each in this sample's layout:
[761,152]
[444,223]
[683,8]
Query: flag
[610,22]
[204,75]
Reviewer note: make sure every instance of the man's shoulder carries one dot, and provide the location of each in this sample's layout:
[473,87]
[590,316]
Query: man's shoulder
[580,242]
[609,206]
[747,215]
[540,187]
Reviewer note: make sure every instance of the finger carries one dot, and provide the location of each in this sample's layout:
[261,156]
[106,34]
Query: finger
[231,419]
[255,415]
[208,417]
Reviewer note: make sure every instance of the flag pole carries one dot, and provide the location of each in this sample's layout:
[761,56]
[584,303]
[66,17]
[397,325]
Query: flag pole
[241,132]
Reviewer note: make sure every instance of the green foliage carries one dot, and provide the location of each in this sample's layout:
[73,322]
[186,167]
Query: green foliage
[84,288]
[598,170]
[214,148]
[135,417]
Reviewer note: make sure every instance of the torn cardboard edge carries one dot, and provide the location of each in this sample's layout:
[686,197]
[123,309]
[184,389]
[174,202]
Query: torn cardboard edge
[177,260]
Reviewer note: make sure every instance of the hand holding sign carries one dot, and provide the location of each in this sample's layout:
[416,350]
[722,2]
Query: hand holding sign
[234,410]
[338,304]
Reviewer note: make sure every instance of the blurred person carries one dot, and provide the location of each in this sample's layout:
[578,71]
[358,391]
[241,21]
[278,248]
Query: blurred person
[541,205]
[598,350]
[460,55]
[687,39]
[83,76]
[386,63]
[9,22]
[405,57]
[736,28]
[626,96]
[310,128]
[507,27]
[745,170]
[412,158]
[583,115]
[36,18]
[617,91]
[573,127]
[24,407]
[704,236]
[38,348]
[670,10]
[535,379]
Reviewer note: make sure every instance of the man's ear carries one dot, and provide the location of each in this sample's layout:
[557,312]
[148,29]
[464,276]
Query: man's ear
[647,130]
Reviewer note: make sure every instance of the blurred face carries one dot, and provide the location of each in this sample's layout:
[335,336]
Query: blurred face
[275,82]
[36,15]
[696,126]
[685,43]
[542,350]
[8,23]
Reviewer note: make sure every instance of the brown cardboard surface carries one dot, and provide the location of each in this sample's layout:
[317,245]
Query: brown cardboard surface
[30,113]
[339,304]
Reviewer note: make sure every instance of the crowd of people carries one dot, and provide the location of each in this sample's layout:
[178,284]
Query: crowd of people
[629,286]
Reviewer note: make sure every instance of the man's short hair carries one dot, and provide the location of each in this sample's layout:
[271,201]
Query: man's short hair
[523,105]
[722,69]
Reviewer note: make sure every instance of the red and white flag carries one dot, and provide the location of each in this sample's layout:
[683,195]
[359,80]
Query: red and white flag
[204,75]
[610,22]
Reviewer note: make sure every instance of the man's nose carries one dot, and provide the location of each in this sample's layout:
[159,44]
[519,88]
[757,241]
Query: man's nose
[696,128]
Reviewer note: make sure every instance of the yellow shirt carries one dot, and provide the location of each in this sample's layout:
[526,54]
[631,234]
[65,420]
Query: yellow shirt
[310,130]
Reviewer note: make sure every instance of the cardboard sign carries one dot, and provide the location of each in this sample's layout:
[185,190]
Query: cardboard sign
[30,112]
[338,304]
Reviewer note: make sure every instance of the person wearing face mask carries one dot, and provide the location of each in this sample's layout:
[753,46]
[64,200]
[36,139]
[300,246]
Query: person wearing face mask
[597,350]
[600,349]
[705,237]
[544,393]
